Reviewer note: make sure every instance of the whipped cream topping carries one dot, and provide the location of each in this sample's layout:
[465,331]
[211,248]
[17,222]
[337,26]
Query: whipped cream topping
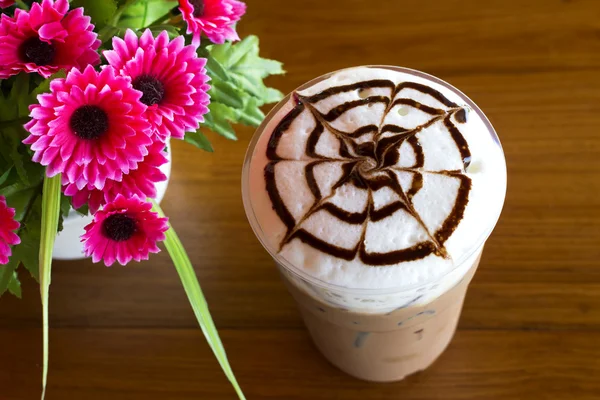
[374,179]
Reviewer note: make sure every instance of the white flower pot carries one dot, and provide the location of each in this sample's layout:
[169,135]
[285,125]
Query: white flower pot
[68,245]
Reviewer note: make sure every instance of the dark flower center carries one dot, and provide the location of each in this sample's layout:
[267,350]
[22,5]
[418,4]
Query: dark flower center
[152,89]
[38,52]
[198,8]
[89,122]
[119,227]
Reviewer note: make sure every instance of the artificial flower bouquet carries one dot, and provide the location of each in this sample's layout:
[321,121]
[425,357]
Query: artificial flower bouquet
[91,92]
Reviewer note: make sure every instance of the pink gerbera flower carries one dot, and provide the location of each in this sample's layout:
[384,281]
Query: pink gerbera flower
[46,39]
[90,128]
[124,230]
[7,226]
[6,3]
[216,18]
[171,77]
[139,182]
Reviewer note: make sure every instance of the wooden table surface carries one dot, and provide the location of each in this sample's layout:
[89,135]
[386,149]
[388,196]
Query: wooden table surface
[530,328]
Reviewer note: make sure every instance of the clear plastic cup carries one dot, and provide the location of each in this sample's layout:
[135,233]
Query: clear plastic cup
[377,334]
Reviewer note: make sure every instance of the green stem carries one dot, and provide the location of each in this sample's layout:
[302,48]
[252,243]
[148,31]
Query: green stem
[50,214]
[196,298]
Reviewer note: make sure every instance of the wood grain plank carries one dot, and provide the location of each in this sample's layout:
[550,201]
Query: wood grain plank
[282,364]
[445,38]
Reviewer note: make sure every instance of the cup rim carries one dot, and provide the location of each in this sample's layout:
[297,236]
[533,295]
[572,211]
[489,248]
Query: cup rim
[298,272]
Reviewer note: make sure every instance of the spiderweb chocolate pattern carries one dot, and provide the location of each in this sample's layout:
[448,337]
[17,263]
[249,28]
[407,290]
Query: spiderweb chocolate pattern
[369,158]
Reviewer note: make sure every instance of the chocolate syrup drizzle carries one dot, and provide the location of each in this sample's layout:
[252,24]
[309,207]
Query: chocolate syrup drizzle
[370,166]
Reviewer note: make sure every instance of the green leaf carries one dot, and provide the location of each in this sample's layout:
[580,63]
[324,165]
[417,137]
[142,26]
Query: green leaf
[6,274]
[83,210]
[16,103]
[8,109]
[213,67]
[108,32]
[196,298]
[237,88]
[65,209]
[28,207]
[101,11]
[4,176]
[14,286]
[228,94]
[14,186]
[219,118]
[22,201]
[146,12]
[18,152]
[173,31]
[19,95]
[30,234]
[251,113]
[44,87]
[15,155]
[50,213]
[65,206]
[247,69]
[198,139]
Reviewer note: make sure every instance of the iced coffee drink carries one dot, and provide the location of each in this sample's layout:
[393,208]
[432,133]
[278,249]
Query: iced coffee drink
[375,189]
